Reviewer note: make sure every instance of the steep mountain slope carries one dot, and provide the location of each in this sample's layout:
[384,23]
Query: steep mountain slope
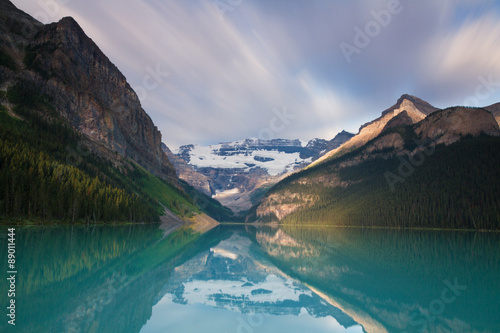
[85,88]
[439,172]
[76,144]
[187,173]
[236,172]
[414,109]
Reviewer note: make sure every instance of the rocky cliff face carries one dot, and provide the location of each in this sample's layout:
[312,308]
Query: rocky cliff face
[440,127]
[84,87]
[449,125]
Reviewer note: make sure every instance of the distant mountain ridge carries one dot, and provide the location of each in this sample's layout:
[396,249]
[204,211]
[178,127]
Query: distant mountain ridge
[233,171]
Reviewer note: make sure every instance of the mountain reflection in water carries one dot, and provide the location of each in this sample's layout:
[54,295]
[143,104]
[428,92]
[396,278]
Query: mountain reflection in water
[249,293]
[139,278]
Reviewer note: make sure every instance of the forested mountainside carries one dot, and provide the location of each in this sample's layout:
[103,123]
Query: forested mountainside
[441,171]
[76,144]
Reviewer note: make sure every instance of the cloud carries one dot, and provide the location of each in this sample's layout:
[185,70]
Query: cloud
[455,62]
[229,73]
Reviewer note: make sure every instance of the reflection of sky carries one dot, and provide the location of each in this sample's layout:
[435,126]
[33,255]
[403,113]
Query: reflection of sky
[232,288]
[172,317]
[228,74]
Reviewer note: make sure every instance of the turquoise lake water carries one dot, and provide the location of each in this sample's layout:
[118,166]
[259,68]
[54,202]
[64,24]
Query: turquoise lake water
[139,278]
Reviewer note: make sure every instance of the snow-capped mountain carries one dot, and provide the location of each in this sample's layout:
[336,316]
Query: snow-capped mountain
[275,156]
[232,171]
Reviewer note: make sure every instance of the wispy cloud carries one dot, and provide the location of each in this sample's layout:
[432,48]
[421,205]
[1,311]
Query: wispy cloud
[454,60]
[227,74]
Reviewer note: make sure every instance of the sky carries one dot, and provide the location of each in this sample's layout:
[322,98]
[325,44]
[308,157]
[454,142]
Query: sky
[216,71]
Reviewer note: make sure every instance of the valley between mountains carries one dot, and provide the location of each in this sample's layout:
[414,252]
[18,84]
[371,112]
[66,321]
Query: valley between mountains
[77,147]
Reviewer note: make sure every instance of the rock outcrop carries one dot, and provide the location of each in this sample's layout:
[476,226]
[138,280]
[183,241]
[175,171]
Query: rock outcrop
[450,125]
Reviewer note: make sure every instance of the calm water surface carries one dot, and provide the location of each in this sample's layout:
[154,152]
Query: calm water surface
[138,278]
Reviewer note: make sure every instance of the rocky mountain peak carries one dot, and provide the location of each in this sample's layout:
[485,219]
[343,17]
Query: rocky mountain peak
[316,142]
[70,32]
[416,108]
[420,104]
[343,133]
[84,86]
[441,127]
[413,108]
[68,23]
[408,97]
[338,140]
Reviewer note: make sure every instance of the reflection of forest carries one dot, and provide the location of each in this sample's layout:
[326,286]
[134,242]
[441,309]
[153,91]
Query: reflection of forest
[390,276]
[107,279]
[94,279]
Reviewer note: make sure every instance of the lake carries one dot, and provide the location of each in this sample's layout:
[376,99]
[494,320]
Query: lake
[143,278]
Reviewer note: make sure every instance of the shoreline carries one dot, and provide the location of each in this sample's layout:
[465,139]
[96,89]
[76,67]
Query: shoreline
[31,223]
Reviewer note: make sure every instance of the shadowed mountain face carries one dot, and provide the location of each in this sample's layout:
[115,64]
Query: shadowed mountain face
[62,63]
